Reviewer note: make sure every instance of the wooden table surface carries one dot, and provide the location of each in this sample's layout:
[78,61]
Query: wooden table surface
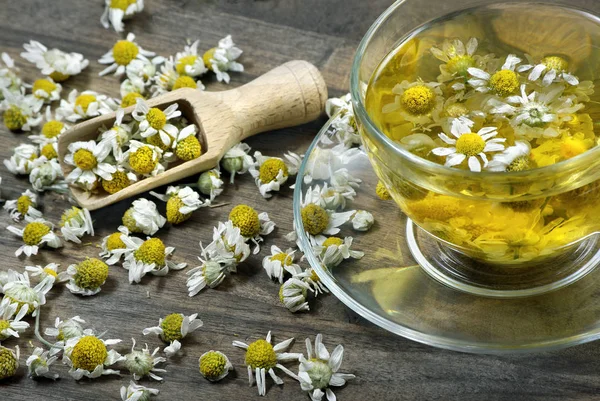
[246,306]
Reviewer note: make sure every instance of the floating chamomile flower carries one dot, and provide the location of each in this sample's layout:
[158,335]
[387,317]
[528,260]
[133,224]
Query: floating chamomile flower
[46,89]
[293,293]
[262,357]
[362,220]
[502,82]
[118,10]
[469,145]
[24,205]
[21,112]
[189,62]
[87,277]
[280,262]
[319,370]
[252,225]
[214,365]
[21,161]
[210,274]
[154,126]
[228,243]
[181,202]
[143,217]
[457,56]
[186,145]
[550,69]
[9,76]
[88,158]
[65,330]
[88,356]
[51,129]
[416,101]
[76,222]
[237,160]
[114,248]
[46,175]
[173,328]
[123,53]
[10,319]
[210,183]
[84,105]
[148,257]
[38,364]
[144,159]
[223,58]
[36,234]
[18,290]
[9,362]
[142,363]
[269,173]
[513,158]
[48,272]
[334,250]
[55,63]
[137,392]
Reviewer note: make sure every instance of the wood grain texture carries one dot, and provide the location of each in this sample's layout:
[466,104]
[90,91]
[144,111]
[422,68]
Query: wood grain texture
[245,307]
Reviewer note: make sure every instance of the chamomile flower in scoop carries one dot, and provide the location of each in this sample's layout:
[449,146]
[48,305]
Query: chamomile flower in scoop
[84,105]
[116,11]
[10,319]
[87,277]
[189,62]
[18,290]
[55,63]
[155,122]
[252,225]
[123,53]
[263,358]
[137,392]
[334,250]
[223,58]
[280,262]
[503,82]
[237,160]
[88,356]
[142,363]
[121,179]
[46,175]
[181,202]
[113,248]
[21,161]
[214,365]
[144,159]
[36,234]
[550,69]
[186,145]
[151,256]
[293,293]
[210,183]
[21,112]
[75,223]
[24,205]
[173,328]
[88,159]
[143,217]
[118,135]
[46,89]
[270,173]
[210,273]
[49,272]
[38,364]
[9,362]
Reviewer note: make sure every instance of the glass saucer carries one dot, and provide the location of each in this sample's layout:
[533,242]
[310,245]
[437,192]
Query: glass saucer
[389,288]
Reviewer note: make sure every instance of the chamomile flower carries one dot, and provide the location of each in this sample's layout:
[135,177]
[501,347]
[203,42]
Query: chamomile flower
[293,293]
[334,250]
[344,125]
[151,256]
[252,225]
[144,159]
[318,221]
[210,183]
[9,76]
[237,160]
[457,56]
[46,89]
[88,356]
[38,364]
[333,198]
[18,290]
[363,220]
[280,262]
[24,205]
[123,53]
[469,145]
[36,234]
[121,179]
[84,105]
[51,129]
[173,328]
[131,89]
[114,248]
[310,277]
[189,62]
[21,112]
[214,365]
[262,358]
[9,362]
[76,222]
[136,392]
[49,150]
[87,277]
[118,135]
[116,11]
[550,69]
[210,273]
[269,173]
[513,158]
[64,330]
[88,159]
[186,145]
[154,122]
[228,243]
[503,82]
[416,101]
[48,272]
[21,161]
[319,370]
[143,217]
[164,80]
[223,58]
[55,63]
[143,69]
[143,363]
[323,161]
[46,175]
[10,319]
[181,202]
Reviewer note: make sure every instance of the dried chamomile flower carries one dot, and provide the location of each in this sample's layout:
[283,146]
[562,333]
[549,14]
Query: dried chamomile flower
[121,179]
[164,80]
[136,392]
[154,123]
[143,217]
[9,76]
[118,135]
[54,62]
[10,319]
[362,220]
[49,150]
[114,248]
[323,161]
[512,158]
[84,105]
[318,221]
[550,69]
[223,58]
[143,69]
[9,362]
[51,129]
[181,202]
[382,192]
[189,62]
[144,159]
[88,158]
[214,365]
[228,243]
[173,328]
[237,160]
[148,257]
[24,205]
[21,112]
[210,273]
[116,11]
[36,234]
[123,53]
[293,293]
[76,222]
[46,89]
[457,56]
[311,277]
[262,357]
[334,250]
[270,173]
[65,330]
[502,82]
[319,370]
[142,363]
[332,198]
[46,175]
[210,183]
[131,92]
[280,262]
[253,226]
[186,145]
[184,81]
[88,356]
[18,290]
[21,160]
[87,277]
[48,272]
[38,364]
[344,126]
[344,183]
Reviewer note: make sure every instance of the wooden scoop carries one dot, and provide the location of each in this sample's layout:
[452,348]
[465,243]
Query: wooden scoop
[291,94]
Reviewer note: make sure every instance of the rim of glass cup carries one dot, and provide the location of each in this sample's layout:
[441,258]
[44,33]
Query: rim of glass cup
[575,163]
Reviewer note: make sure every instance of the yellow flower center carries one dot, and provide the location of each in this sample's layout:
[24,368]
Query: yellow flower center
[49,151]
[382,191]
[572,147]
[156,118]
[130,99]
[504,82]
[52,129]
[118,182]
[283,257]
[114,241]
[457,110]
[91,274]
[270,168]
[171,327]
[212,365]
[129,221]
[4,324]
[314,276]
[142,161]
[314,218]
[183,62]
[43,85]
[185,82]
[470,144]
[88,353]
[84,101]
[8,363]
[173,215]
[519,164]
[555,63]
[124,52]
[189,148]
[246,219]
[23,204]
[50,272]
[84,159]
[121,4]
[151,251]
[58,76]
[14,118]
[460,64]
[74,213]
[260,354]
[155,140]
[418,100]
[207,56]
[34,232]
[335,241]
